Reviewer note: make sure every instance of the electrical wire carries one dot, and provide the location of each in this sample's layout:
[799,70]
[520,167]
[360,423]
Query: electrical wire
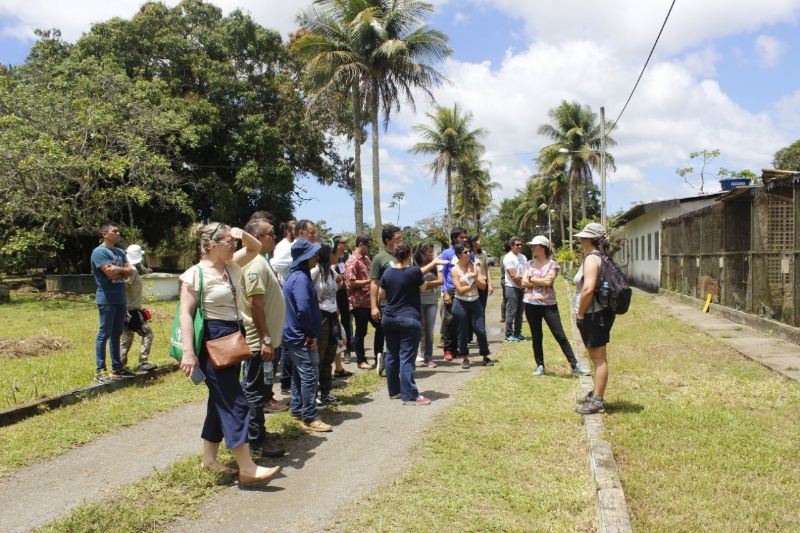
[635,85]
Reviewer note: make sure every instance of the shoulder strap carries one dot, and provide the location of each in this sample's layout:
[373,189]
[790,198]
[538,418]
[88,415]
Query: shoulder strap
[200,290]
[233,292]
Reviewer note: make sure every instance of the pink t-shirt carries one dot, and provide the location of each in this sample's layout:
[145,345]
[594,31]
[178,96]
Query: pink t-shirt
[540,295]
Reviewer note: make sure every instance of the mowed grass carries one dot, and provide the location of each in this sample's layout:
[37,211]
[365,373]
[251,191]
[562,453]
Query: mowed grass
[705,439]
[510,455]
[23,379]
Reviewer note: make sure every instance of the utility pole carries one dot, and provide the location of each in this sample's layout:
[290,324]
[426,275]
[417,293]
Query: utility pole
[603,167]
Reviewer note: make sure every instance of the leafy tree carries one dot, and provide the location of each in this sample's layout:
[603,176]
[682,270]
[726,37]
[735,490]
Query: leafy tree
[434,228]
[788,158]
[708,156]
[473,191]
[575,130]
[397,200]
[450,139]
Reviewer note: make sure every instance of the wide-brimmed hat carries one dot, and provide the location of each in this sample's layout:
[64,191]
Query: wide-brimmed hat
[303,250]
[592,230]
[135,254]
[541,240]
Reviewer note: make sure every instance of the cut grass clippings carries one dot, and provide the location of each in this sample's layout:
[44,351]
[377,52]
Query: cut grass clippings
[510,455]
[705,438]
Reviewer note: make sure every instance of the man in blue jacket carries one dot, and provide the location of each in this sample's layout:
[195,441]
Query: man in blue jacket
[300,333]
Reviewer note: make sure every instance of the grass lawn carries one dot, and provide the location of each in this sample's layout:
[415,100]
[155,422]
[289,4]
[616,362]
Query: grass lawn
[511,455]
[23,379]
[705,439]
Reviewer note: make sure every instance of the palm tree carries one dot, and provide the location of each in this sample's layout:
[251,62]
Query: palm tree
[336,64]
[542,193]
[473,191]
[449,138]
[576,134]
[399,49]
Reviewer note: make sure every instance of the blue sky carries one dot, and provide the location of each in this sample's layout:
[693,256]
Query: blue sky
[725,76]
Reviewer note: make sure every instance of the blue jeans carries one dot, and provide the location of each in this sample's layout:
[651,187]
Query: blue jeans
[428,322]
[402,340]
[112,322]
[470,314]
[256,391]
[305,376]
[514,309]
[286,369]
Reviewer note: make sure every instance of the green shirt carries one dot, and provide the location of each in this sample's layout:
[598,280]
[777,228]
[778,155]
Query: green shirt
[258,279]
[380,263]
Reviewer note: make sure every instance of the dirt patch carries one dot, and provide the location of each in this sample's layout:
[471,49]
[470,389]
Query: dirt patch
[28,346]
[27,288]
[57,295]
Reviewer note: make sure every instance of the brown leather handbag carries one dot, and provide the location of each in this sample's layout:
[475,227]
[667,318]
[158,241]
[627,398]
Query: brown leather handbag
[231,349]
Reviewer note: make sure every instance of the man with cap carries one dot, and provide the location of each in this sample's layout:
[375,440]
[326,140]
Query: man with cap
[300,333]
[138,319]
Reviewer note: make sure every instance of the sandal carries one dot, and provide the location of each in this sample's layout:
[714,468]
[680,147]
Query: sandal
[365,366]
[342,373]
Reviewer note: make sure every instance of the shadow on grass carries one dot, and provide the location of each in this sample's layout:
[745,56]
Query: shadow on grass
[623,406]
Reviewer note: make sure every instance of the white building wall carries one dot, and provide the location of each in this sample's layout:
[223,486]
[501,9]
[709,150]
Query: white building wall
[640,255]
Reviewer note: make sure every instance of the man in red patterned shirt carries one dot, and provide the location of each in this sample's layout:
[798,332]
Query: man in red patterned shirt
[356,275]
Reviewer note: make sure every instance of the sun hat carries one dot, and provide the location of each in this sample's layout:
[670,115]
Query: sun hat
[135,254]
[541,240]
[303,250]
[592,230]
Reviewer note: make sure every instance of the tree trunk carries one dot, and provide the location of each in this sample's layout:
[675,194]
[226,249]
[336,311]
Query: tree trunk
[464,200]
[477,224]
[449,178]
[376,174]
[561,224]
[571,223]
[358,193]
[584,199]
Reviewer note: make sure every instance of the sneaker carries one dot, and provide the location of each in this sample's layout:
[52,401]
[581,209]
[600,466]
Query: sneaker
[448,355]
[348,358]
[581,370]
[102,377]
[122,372]
[267,450]
[487,361]
[318,425]
[379,364]
[593,405]
[330,399]
[465,364]
[420,360]
[146,367]
[521,338]
[394,396]
[430,364]
[274,406]
[421,400]
[585,398]
[511,338]
[539,371]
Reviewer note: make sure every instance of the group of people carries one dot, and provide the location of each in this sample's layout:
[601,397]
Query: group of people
[295,301]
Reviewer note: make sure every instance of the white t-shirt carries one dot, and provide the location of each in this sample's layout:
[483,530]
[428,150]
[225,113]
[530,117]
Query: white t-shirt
[282,259]
[516,262]
[217,295]
[326,290]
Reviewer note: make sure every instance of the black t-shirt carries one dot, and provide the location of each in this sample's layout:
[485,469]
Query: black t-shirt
[402,291]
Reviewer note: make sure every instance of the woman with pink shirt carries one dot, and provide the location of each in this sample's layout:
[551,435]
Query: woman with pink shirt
[540,303]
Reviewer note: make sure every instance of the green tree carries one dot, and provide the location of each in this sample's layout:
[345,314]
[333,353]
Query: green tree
[448,137]
[575,130]
[473,191]
[788,158]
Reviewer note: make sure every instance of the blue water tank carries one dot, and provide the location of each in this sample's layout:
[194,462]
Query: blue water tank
[728,184]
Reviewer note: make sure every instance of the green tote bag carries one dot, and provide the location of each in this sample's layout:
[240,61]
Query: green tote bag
[176,341]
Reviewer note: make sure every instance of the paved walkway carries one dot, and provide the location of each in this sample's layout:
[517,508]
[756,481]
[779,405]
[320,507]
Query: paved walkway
[777,354]
[369,445]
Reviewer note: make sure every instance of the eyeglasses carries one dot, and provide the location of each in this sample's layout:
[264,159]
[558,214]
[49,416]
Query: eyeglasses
[517,244]
[465,252]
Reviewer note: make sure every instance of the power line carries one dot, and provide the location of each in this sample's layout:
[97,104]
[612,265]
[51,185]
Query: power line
[643,69]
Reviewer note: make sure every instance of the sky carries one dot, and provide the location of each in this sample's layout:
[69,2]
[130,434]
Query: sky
[725,75]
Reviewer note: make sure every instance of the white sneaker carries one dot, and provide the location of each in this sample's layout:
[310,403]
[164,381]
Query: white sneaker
[379,365]
[420,360]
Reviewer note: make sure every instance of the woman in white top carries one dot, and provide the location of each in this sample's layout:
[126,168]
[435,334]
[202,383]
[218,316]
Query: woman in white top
[227,412]
[326,282]
[466,307]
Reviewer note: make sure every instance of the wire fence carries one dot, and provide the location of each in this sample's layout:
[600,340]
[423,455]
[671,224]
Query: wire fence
[743,250]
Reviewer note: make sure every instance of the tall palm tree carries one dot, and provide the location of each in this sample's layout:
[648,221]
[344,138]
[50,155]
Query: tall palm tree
[400,50]
[449,138]
[575,130]
[473,191]
[336,63]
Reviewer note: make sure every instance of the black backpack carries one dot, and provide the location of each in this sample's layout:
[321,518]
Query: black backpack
[613,292]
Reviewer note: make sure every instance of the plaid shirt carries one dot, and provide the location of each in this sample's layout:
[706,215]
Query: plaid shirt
[357,268]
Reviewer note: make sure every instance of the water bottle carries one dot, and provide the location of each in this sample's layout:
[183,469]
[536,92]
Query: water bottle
[604,295]
[269,373]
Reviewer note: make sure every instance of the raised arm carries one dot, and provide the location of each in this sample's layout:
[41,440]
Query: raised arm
[251,247]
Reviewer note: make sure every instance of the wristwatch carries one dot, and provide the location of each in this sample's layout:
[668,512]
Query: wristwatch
[267,340]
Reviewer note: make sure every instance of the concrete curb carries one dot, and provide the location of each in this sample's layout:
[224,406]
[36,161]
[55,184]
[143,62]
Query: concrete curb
[612,509]
[21,412]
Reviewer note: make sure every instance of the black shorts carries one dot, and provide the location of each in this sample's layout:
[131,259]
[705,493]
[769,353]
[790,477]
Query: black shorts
[595,328]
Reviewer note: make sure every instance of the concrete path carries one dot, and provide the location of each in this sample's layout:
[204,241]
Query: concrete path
[777,354]
[322,472]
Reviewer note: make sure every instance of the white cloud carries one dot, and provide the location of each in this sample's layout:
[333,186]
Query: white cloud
[787,111]
[769,51]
